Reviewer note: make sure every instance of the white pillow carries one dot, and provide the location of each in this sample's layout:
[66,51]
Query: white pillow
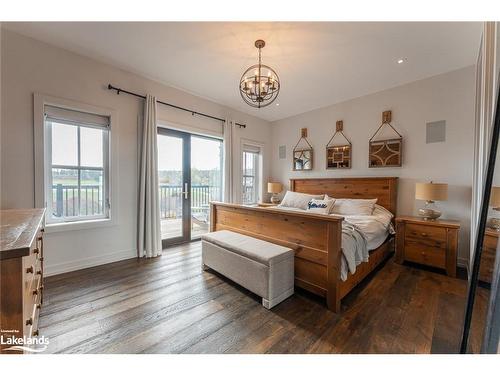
[379,210]
[320,206]
[383,215]
[354,206]
[298,200]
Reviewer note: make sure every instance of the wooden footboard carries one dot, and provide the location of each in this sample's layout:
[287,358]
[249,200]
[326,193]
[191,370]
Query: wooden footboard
[316,240]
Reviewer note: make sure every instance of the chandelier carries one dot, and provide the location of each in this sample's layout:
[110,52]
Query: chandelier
[259,85]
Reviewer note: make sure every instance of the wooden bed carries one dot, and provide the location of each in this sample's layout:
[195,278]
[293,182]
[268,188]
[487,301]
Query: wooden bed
[316,239]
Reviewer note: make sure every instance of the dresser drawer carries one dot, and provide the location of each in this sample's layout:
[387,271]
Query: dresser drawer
[488,258]
[32,329]
[426,234]
[490,243]
[32,297]
[430,256]
[30,268]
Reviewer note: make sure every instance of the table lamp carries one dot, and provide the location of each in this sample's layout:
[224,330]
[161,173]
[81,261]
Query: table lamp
[430,192]
[274,188]
[494,222]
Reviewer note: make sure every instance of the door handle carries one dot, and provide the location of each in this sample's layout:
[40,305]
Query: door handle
[185,192]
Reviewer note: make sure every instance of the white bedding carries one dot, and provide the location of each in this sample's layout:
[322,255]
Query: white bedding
[375,227]
[360,234]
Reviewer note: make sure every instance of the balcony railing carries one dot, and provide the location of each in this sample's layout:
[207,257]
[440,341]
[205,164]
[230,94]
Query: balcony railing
[66,200]
[171,199]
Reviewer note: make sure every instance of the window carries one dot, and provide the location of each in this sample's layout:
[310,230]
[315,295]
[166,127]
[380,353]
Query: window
[77,146]
[251,175]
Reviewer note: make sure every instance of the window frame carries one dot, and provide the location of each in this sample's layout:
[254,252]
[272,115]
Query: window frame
[258,149]
[43,171]
[49,175]
[254,176]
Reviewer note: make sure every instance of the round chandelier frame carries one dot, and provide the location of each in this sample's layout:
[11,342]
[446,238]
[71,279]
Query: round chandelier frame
[259,84]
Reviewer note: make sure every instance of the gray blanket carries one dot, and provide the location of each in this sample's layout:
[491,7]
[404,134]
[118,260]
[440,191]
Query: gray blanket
[354,248]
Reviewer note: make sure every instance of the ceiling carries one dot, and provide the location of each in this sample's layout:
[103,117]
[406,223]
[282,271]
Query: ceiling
[319,64]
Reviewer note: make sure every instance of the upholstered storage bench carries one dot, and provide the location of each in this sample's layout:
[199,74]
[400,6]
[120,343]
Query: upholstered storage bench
[263,268]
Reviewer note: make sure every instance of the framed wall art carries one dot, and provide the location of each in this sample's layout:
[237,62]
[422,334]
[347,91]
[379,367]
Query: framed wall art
[338,156]
[303,155]
[385,152]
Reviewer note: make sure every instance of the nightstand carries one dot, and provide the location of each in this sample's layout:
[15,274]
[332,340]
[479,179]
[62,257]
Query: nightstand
[432,243]
[267,204]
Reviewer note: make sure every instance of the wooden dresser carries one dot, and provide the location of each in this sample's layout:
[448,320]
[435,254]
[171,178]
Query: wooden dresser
[267,204]
[488,255]
[432,243]
[21,273]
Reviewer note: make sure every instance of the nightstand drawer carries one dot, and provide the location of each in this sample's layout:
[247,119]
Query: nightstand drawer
[426,235]
[430,256]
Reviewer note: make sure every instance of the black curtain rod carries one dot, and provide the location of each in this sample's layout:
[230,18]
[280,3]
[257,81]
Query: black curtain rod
[119,90]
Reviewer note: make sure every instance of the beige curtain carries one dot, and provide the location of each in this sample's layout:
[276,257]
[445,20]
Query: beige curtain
[228,161]
[149,230]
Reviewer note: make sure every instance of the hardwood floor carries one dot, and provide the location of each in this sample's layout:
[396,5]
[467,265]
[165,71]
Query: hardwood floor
[168,305]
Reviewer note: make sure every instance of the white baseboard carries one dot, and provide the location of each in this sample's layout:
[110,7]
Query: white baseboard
[56,269]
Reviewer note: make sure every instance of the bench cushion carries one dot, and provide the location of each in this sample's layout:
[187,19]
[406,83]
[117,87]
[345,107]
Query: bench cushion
[260,251]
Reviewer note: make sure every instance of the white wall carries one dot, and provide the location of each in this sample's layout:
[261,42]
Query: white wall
[29,66]
[447,97]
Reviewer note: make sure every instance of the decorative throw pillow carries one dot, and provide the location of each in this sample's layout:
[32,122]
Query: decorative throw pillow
[320,206]
[298,200]
[362,207]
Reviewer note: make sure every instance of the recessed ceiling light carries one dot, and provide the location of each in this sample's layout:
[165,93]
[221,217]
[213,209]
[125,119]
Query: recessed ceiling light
[277,103]
[400,61]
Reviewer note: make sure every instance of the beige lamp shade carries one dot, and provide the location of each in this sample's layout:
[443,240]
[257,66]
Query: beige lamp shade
[274,187]
[431,191]
[495,197]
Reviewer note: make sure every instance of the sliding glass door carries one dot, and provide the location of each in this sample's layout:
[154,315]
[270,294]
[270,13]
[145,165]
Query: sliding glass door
[190,176]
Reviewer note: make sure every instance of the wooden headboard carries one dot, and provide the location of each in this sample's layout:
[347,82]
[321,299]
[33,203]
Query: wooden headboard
[383,188]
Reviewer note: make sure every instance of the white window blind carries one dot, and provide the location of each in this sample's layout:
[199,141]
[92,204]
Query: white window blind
[251,149]
[62,115]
